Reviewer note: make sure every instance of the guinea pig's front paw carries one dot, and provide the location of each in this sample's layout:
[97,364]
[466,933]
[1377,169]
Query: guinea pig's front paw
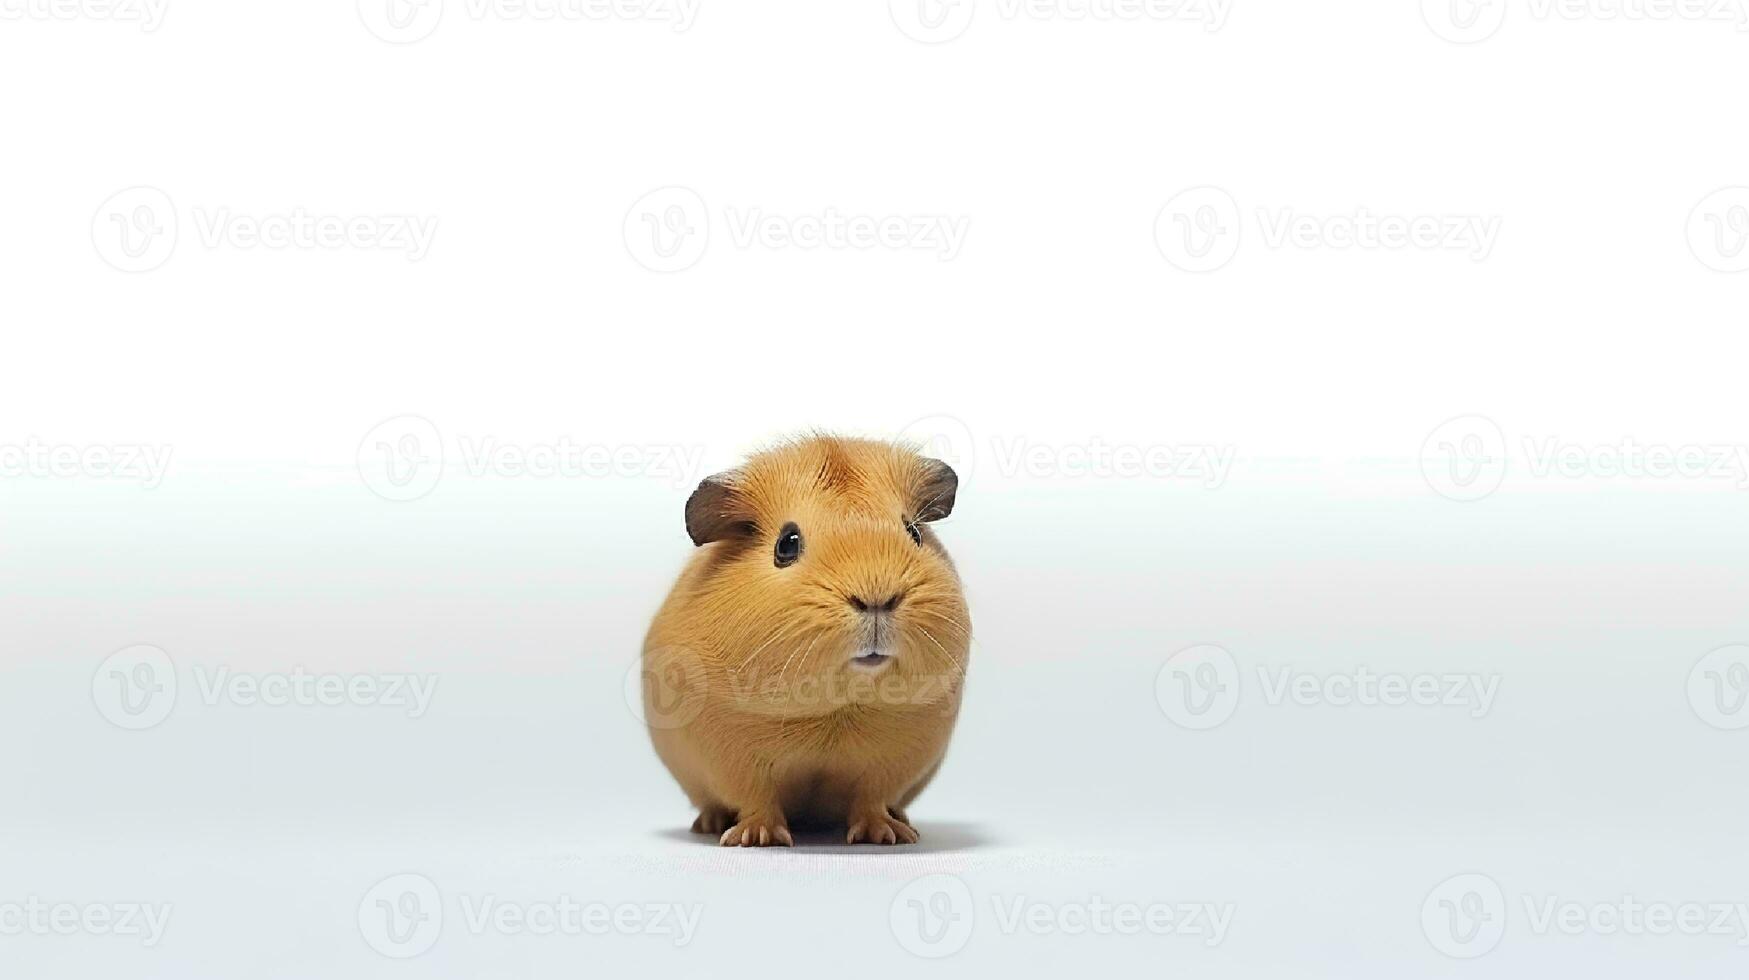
[713,820]
[756,831]
[879,827]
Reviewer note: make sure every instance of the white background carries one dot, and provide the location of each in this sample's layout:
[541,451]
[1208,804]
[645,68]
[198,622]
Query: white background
[1354,531]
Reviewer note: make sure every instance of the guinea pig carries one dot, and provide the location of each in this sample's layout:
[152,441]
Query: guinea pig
[807,666]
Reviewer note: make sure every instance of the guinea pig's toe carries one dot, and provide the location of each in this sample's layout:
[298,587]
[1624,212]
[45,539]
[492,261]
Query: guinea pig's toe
[880,828]
[757,833]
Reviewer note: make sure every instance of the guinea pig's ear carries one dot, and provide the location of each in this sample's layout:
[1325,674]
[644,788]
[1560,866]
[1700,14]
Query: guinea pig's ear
[710,511]
[935,491]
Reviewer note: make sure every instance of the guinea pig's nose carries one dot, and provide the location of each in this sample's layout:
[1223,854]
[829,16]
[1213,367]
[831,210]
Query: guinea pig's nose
[863,605]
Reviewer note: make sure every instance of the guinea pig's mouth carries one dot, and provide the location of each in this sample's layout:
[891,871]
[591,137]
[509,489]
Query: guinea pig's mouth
[872,660]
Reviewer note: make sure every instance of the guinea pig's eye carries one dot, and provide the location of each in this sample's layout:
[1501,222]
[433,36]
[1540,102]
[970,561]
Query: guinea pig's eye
[915,531]
[789,546]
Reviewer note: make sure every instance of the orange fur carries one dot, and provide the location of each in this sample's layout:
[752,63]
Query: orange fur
[753,699]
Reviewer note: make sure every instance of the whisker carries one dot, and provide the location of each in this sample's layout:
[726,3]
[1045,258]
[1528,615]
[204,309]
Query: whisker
[781,722]
[780,632]
[950,657]
[946,620]
[792,655]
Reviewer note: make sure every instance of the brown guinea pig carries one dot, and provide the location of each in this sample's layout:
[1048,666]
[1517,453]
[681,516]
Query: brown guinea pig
[808,665]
